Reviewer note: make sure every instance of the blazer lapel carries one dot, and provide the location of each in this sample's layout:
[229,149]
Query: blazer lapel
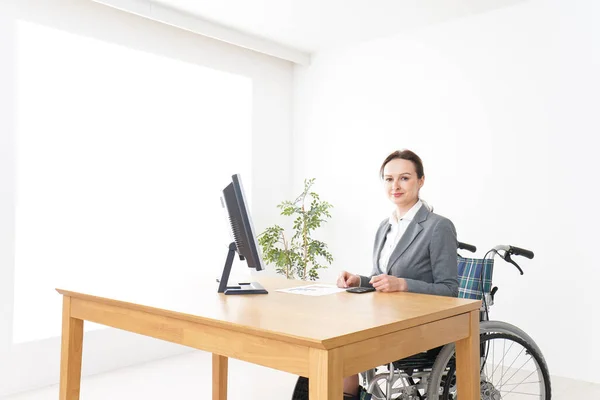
[381,234]
[412,231]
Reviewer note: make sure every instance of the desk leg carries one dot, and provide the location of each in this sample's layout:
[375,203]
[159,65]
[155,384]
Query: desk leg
[467,361]
[325,375]
[71,352]
[219,374]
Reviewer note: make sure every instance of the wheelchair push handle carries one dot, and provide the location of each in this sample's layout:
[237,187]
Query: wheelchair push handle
[517,251]
[466,246]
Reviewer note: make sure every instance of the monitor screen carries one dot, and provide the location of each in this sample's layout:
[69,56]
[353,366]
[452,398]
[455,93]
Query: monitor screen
[242,227]
[245,243]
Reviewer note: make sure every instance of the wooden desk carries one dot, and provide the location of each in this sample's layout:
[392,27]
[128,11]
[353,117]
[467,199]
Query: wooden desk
[324,338]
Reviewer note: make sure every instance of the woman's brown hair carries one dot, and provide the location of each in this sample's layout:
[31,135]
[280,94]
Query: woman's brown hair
[405,155]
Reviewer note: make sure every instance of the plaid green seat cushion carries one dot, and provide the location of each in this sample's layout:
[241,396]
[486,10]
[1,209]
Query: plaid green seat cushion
[469,277]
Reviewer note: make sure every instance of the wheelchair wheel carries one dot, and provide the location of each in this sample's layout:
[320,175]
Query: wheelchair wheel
[492,326]
[511,368]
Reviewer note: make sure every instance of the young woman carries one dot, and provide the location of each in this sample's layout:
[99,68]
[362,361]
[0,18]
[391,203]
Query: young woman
[415,249]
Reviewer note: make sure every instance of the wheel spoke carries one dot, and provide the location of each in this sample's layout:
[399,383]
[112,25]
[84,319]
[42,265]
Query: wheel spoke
[520,393]
[511,374]
[527,377]
[503,356]
[520,368]
[521,383]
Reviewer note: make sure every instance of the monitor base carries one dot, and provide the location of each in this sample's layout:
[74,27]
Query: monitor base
[246,288]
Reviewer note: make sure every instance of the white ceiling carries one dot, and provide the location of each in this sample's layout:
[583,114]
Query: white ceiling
[313,25]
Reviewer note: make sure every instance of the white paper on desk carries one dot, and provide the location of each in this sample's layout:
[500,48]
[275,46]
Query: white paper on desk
[313,290]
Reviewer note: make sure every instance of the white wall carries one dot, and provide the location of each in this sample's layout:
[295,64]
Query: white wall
[31,364]
[502,107]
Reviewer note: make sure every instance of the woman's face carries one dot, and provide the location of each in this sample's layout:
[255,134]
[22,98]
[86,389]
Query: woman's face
[401,183]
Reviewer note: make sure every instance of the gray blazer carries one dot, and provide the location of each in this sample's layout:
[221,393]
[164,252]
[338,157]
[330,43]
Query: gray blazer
[425,255]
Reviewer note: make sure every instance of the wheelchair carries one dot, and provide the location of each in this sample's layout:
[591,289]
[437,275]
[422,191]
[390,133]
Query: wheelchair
[511,364]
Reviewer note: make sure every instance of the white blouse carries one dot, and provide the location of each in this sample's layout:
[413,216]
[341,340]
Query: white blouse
[397,229]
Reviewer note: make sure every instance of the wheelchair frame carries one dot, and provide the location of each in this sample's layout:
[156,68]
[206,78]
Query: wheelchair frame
[420,376]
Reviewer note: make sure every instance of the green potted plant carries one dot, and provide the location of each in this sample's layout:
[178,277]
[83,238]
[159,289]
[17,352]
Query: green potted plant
[298,256]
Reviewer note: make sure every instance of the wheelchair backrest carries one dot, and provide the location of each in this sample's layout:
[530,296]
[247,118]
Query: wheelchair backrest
[472,273]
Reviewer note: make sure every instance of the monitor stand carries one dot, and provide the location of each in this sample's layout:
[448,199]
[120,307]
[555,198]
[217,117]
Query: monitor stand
[242,287]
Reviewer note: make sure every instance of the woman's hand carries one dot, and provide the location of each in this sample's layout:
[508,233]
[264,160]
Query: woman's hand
[388,283]
[346,279]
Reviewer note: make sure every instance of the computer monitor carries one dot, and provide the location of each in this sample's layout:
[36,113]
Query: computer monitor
[245,243]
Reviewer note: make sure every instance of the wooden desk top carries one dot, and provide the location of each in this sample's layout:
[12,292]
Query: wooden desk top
[322,322]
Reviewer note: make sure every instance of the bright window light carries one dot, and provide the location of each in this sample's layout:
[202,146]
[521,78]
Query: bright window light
[121,157]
